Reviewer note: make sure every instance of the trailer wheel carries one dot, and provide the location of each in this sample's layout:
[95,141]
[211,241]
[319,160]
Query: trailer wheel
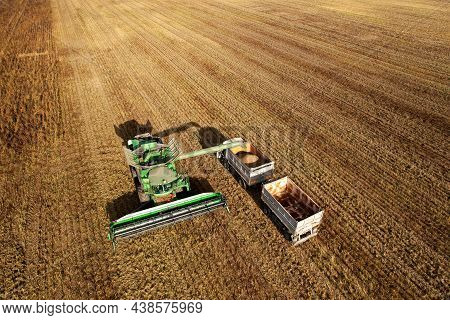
[243,184]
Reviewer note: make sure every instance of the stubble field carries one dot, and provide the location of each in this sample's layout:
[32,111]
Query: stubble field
[349,98]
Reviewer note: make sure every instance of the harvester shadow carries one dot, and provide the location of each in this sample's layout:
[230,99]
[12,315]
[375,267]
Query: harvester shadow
[210,137]
[207,136]
[129,202]
[129,129]
[123,205]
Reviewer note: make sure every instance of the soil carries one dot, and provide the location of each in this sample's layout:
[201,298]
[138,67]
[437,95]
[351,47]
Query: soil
[349,98]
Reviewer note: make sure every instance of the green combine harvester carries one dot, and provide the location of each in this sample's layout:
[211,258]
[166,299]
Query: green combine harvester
[160,187]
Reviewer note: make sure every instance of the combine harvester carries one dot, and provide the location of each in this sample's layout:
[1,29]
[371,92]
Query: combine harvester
[158,184]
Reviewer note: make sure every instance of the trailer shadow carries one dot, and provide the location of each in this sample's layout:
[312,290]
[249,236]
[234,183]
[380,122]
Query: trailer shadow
[207,136]
[123,205]
[255,193]
[175,130]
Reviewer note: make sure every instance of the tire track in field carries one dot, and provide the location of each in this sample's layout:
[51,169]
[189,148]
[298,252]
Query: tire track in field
[9,29]
[321,35]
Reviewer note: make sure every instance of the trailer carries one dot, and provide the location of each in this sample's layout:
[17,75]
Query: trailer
[247,163]
[293,207]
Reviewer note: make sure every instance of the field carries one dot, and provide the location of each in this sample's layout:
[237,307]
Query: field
[349,98]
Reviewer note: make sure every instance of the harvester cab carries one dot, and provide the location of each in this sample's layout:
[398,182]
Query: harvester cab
[160,186]
[148,150]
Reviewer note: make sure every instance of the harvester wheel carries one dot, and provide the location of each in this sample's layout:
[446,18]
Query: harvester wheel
[143,197]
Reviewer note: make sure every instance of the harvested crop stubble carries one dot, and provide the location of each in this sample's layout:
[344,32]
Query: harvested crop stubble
[350,99]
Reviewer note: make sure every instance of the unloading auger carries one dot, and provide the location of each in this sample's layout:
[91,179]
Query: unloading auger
[160,187]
